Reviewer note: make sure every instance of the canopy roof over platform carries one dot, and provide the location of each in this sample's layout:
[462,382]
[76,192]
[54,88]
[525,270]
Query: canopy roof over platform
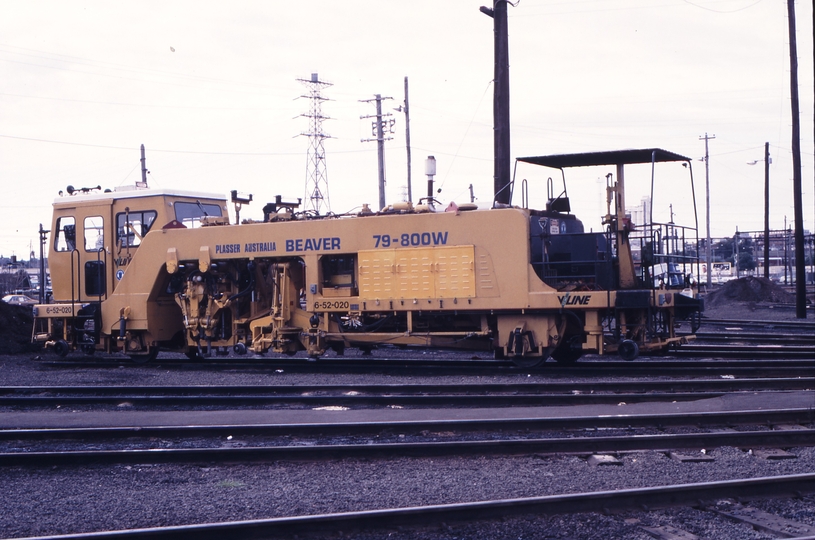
[613,157]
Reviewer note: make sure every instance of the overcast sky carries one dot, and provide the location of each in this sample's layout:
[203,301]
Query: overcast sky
[210,88]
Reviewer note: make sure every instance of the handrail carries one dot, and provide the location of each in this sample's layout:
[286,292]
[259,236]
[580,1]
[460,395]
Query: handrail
[104,261]
[74,277]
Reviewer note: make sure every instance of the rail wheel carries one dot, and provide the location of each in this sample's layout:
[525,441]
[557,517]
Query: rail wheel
[569,351]
[143,358]
[566,355]
[695,321]
[527,362]
[628,350]
[61,348]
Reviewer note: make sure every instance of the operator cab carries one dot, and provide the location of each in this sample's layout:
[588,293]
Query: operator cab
[623,256]
[96,233]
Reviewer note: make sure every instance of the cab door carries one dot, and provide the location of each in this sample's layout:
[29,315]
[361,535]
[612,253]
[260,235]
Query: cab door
[96,255]
[63,257]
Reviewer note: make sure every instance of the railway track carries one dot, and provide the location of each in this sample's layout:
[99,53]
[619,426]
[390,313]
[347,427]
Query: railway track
[384,429]
[797,326]
[745,351]
[367,450]
[783,339]
[389,519]
[381,522]
[413,395]
[169,450]
[361,364]
[738,339]
[586,366]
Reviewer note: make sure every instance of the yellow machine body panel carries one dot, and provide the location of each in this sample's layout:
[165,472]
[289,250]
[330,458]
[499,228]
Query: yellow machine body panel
[414,273]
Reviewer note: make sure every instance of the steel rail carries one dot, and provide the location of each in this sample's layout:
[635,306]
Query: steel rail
[394,390]
[588,365]
[756,350]
[418,401]
[744,351]
[320,452]
[782,339]
[691,368]
[792,325]
[451,362]
[728,418]
[391,518]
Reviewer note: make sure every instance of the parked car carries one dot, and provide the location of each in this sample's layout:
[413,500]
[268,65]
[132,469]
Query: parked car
[19,300]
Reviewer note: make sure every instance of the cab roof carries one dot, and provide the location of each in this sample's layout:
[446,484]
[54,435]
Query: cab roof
[125,193]
[612,157]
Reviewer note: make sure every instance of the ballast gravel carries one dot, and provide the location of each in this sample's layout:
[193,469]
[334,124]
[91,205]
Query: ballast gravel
[64,500]
[69,500]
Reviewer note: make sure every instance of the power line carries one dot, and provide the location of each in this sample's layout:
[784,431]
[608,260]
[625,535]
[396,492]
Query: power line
[110,65]
[129,149]
[207,107]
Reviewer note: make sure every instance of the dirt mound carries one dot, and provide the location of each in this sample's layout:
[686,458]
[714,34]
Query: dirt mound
[749,289]
[15,329]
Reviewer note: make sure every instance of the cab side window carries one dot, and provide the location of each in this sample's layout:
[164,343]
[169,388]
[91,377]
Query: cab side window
[95,278]
[94,233]
[190,214]
[65,239]
[132,226]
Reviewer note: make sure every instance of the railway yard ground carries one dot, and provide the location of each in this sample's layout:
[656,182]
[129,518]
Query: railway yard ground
[408,444]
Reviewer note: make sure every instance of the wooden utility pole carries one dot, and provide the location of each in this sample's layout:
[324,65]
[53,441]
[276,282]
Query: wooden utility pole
[380,151]
[43,276]
[708,258]
[500,106]
[798,202]
[378,132]
[407,141]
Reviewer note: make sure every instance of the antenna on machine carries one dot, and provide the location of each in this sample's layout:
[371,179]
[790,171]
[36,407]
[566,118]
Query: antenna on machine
[316,194]
[144,171]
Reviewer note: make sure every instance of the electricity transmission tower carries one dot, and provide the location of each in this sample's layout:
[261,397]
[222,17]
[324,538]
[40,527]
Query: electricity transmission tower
[316,194]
